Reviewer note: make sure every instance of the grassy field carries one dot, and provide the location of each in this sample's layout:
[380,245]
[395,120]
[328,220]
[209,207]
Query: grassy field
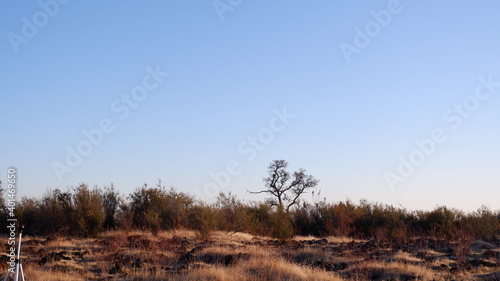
[180,255]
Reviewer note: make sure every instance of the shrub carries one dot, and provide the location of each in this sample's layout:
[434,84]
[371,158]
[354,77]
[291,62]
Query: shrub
[281,225]
[88,211]
[304,221]
[175,210]
[202,219]
[334,219]
[343,221]
[260,219]
[110,199]
[156,208]
[232,214]
[28,214]
[85,212]
[55,213]
[441,222]
[146,205]
[125,217]
[483,224]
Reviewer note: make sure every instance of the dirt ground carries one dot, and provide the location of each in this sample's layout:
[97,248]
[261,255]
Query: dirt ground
[180,255]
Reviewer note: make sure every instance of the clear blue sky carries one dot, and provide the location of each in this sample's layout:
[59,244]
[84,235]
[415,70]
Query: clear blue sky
[354,116]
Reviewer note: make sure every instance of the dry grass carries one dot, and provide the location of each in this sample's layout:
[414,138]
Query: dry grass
[331,239]
[35,272]
[391,271]
[258,269]
[137,255]
[407,257]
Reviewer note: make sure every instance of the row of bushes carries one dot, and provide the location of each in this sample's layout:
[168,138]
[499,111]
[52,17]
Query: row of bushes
[385,222]
[84,211]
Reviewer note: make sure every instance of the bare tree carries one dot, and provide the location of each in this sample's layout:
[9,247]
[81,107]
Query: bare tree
[286,193]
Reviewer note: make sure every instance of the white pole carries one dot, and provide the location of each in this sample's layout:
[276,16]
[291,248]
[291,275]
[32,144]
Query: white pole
[22,272]
[16,275]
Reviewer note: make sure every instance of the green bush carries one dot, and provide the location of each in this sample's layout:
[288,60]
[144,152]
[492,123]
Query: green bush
[55,213]
[281,225]
[202,219]
[176,208]
[156,208]
[63,213]
[260,219]
[88,211]
[146,204]
[442,222]
[232,214]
